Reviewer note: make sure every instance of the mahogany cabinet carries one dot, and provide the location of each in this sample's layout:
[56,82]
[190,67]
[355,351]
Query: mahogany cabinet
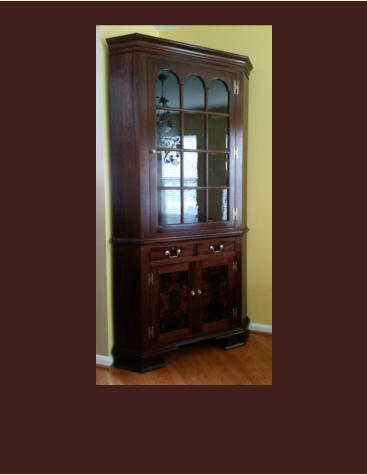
[178,134]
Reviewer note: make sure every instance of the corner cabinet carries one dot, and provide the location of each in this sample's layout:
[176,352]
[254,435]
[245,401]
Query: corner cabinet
[178,140]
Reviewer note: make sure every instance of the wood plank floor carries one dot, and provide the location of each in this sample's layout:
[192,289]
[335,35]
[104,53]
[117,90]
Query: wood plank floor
[204,364]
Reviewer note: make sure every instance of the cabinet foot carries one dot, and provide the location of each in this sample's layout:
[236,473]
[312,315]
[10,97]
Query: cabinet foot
[137,363]
[237,339]
[234,341]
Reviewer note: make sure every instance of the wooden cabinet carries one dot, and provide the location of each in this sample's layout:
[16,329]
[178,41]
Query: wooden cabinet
[177,155]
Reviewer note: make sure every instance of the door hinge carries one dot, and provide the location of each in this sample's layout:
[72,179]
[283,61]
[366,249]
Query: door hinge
[236,87]
[236,152]
[234,266]
[150,332]
[234,314]
[235,214]
[150,279]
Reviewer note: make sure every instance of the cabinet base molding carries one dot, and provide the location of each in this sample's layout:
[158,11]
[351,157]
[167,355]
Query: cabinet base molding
[148,360]
[138,362]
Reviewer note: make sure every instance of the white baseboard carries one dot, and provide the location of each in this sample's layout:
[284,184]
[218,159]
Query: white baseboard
[103,360]
[260,327]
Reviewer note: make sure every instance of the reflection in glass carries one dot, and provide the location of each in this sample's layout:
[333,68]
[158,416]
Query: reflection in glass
[218,96]
[194,127]
[169,206]
[194,169]
[168,129]
[194,93]
[167,90]
[169,170]
[194,206]
[218,169]
[218,133]
[217,205]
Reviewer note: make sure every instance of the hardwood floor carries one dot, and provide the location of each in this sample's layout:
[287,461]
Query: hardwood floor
[204,364]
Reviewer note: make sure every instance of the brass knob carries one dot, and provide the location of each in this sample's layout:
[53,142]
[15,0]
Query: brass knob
[153,150]
[192,293]
[199,292]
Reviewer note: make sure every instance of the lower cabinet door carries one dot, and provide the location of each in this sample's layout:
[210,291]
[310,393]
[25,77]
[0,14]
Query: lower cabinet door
[172,305]
[217,303]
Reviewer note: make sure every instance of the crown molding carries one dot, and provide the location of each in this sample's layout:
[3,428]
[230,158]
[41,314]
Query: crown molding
[138,42]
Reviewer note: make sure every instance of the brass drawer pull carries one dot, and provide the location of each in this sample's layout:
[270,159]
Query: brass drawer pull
[216,248]
[199,292]
[172,253]
[192,293]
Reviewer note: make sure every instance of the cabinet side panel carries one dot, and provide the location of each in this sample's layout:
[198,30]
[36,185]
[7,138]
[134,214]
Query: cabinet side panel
[244,144]
[144,132]
[124,164]
[243,271]
[127,296]
[239,118]
[240,258]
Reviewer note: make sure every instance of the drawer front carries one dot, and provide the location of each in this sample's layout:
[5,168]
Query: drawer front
[215,247]
[172,253]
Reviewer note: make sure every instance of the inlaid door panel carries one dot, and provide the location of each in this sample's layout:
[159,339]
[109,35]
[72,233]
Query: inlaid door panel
[171,302]
[217,302]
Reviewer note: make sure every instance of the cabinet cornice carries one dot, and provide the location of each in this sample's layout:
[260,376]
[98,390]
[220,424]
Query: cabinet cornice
[137,42]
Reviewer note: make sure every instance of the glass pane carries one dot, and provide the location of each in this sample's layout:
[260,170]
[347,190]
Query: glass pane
[167,90]
[194,127]
[169,206]
[218,132]
[168,129]
[194,206]
[194,93]
[173,301]
[215,293]
[218,205]
[218,169]
[194,169]
[218,96]
[169,170]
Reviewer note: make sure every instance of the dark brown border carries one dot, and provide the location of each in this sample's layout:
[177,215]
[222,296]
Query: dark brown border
[54,419]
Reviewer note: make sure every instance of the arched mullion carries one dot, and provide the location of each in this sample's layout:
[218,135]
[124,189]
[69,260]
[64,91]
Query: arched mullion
[219,81]
[163,78]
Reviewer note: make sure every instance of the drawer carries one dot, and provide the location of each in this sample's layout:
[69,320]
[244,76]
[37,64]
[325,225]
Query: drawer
[172,252]
[215,247]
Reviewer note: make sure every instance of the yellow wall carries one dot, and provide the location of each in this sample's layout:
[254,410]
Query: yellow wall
[255,42]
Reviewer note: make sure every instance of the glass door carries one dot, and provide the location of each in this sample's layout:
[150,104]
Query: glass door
[194,142]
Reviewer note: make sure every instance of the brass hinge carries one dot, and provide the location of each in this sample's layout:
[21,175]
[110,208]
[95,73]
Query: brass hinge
[235,214]
[150,332]
[236,87]
[235,266]
[236,152]
[234,314]
[150,279]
